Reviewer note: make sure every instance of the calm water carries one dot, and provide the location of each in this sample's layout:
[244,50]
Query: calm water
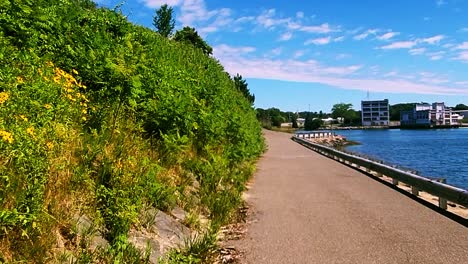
[441,153]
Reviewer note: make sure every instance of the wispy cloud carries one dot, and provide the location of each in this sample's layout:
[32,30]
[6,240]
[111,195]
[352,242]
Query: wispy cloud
[318,41]
[365,34]
[286,36]
[433,40]
[343,56]
[224,50]
[158,3]
[312,71]
[435,56]
[462,46]
[417,51]
[339,39]
[440,2]
[321,29]
[388,35]
[463,56]
[400,45]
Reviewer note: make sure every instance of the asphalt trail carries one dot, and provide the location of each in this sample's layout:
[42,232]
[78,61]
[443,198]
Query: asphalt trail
[310,209]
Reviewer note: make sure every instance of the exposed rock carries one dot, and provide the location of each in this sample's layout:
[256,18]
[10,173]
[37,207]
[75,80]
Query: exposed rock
[160,233]
[88,231]
[179,214]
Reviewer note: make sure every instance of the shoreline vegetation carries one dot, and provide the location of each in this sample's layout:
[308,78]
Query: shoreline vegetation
[117,144]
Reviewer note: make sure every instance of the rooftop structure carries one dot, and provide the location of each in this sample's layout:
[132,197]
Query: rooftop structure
[427,115]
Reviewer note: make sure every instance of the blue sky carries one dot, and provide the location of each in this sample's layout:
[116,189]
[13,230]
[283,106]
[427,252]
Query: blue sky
[301,54]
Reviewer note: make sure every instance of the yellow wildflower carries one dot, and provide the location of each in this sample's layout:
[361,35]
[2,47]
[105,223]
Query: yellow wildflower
[6,136]
[69,96]
[47,106]
[3,97]
[57,79]
[84,111]
[50,145]
[24,118]
[84,118]
[30,131]
[39,71]
[50,64]
[19,80]
[75,71]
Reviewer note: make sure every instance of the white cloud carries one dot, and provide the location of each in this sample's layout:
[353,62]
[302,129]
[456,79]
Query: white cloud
[417,51]
[286,36]
[400,45]
[338,39]
[440,2]
[299,54]
[433,40]
[300,14]
[341,77]
[366,34]
[158,3]
[463,46]
[318,41]
[322,29]
[388,35]
[224,50]
[343,56]
[274,52]
[463,56]
[361,36]
[465,29]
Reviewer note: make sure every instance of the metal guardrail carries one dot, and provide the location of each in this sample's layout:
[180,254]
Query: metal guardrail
[445,192]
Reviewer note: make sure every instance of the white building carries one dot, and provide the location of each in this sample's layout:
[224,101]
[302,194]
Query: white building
[425,114]
[375,113]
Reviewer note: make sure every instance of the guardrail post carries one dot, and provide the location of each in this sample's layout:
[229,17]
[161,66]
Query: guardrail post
[443,203]
[394,181]
[414,191]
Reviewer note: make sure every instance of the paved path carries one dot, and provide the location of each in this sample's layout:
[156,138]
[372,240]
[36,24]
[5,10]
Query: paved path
[310,209]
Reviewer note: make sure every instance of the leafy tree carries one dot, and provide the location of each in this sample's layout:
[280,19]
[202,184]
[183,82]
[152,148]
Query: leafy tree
[396,109]
[344,110]
[460,107]
[241,85]
[312,123]
[163,20]
[294,121]
[190,35]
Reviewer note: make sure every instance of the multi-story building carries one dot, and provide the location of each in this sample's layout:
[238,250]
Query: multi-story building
[375,113]
[428,115]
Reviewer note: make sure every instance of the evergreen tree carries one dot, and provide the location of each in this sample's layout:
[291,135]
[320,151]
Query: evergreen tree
[163,20]
[190,35]
[242,86]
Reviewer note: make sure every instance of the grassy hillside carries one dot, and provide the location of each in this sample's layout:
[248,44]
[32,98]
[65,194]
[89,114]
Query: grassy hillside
[101,117]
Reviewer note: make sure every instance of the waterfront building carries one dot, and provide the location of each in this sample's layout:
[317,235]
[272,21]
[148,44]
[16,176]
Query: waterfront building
[375,113]
[427,115]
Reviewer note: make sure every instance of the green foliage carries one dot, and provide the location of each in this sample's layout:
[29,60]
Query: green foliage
[397,108]
[163,20]
[103,117]
[190,36]
[312,123]
[198,249]
[242,86]
[345,111]
[460,107]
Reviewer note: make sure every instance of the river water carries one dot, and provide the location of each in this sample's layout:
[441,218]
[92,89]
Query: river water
[438,153]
